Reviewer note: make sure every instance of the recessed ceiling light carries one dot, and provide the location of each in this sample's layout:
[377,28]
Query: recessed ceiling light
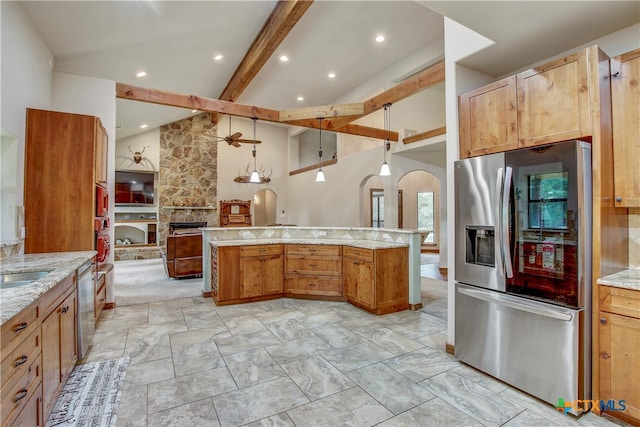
[194,111]
[218,57]
[284,58]
[143,126]
[141,74]
[300,98]
[380,38]
[331,75]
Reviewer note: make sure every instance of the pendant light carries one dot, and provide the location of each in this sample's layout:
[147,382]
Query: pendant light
[255,178]
[384,170]
[320,174]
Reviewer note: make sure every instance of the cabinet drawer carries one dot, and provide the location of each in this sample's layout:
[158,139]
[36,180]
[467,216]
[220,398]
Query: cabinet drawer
[322,266]
[259,250]
[363,254]
[31,415]
[16,363]
[314,285]
[620,301]
[16,396]
[19,327]
[318,250]
[55,295]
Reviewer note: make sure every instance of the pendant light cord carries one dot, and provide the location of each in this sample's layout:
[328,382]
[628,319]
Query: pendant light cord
[320,150]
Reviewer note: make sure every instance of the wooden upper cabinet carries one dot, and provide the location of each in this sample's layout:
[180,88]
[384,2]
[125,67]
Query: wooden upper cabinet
[553,101]
[625,106]
[545,104]
[488,119]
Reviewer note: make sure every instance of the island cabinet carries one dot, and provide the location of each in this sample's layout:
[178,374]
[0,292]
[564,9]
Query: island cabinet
[59,339]
[313,270]
[625,106]
[545,104]
[619,350]
[376,280]
[21,369]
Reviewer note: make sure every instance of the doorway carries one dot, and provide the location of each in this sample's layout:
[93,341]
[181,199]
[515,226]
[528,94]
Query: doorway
[264,208]
[376,201]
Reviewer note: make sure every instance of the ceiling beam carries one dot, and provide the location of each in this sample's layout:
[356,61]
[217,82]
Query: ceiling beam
[283,18]
[349,129]
[424,135]
[324,111]
[153,96]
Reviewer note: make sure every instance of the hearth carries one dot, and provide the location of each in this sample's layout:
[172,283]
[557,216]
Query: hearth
[173,226]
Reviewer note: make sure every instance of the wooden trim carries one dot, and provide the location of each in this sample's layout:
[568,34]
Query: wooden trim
[415,306]
[109,306]
[206,294]
[312,167]
[449,348]
[281,21]
[424,135]
[154,96]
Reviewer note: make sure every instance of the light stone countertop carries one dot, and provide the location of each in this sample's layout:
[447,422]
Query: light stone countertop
[363,244]
[628,279]
[58,264]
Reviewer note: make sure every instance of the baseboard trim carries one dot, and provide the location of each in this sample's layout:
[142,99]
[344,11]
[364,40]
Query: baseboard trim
[109,306]
[206,294]
[449,348]
[415,306]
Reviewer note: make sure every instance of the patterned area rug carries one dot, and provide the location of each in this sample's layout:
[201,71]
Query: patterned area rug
[91,395]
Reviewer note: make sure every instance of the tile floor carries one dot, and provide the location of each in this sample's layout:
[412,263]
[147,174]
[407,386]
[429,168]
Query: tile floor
[292,362]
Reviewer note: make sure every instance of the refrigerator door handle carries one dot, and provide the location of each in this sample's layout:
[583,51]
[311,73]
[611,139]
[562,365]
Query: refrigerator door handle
[499,252]
[511,302]
[504,223]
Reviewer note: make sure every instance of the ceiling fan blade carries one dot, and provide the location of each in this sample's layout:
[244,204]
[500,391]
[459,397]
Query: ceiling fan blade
[235,136]
[235,143]
[248,141]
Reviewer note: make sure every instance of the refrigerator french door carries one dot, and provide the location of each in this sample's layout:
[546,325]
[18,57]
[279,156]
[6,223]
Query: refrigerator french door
[523,268]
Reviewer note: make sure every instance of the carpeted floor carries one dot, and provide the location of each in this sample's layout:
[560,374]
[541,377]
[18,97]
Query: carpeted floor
[145,281]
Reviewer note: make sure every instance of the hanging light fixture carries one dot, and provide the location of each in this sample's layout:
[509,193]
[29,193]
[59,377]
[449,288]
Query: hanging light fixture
[384,170]
[320,174]
[255,177]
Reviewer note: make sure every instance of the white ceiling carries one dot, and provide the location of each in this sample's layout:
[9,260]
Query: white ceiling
[175,41]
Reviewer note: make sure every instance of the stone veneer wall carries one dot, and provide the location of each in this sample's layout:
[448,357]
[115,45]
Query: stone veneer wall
[188,172]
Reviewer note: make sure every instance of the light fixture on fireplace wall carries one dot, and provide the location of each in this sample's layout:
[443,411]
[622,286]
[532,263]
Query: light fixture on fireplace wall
[384,170]
[320,174]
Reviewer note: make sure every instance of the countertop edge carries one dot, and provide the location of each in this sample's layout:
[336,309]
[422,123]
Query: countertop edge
[626,279]
[363,244]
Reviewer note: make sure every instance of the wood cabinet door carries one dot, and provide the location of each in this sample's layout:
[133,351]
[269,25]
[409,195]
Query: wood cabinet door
[620,361]
[225,273]
[251,277]
[625,105]
[553,101]
[366,284]
[102,144]
[350,272]
[489,119]
[272,275]
[50,359]
[68,337]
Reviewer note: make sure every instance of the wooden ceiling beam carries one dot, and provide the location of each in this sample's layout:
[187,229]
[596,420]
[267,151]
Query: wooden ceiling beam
[281,21]
[349,129]
[153,96]
[325,111]
[424,135]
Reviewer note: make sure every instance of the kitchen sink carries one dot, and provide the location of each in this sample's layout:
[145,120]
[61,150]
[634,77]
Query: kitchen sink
[14,280]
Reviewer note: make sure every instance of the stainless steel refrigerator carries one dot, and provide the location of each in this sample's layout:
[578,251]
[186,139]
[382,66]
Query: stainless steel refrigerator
[523,268]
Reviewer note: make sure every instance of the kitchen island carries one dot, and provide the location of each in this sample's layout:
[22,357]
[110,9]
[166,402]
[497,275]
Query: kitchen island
[376,269]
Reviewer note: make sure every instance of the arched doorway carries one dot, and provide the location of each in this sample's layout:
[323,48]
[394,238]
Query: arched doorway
[422,205]
[264,207]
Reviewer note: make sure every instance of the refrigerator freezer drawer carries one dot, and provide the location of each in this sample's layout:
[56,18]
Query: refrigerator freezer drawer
[533,346]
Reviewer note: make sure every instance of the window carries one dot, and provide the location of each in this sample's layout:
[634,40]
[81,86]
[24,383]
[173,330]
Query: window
[548,200]
[426,215]
[377,208]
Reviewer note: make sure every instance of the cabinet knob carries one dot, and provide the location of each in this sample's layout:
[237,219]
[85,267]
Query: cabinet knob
[604,355]
[618,199]
[603,320]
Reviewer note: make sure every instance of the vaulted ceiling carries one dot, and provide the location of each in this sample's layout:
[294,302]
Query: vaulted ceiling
[176,42]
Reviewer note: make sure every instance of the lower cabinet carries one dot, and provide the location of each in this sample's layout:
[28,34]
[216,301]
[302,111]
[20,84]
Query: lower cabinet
[313,270]
[59,340]
[619,352]
[261,270]
[376,280]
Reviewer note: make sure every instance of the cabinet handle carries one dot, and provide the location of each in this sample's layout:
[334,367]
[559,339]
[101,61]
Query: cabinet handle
[63,310]
[20,395]
[20,327]
[356,263]
[312,250]
[312,265]
[262,250]
[21,360]
[101,299]
[603,320]
[618,199]
[312,284]
[616,74]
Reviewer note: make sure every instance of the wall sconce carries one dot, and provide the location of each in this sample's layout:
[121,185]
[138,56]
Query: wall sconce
[320,174]
[384,169]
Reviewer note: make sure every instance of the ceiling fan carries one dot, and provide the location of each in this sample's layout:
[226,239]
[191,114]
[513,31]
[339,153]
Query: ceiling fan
[235,138]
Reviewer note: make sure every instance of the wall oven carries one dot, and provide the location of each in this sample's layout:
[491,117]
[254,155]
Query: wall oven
[523,268]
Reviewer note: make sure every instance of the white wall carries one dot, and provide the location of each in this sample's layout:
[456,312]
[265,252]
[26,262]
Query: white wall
[149,142]
[26,78]
[271,155]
